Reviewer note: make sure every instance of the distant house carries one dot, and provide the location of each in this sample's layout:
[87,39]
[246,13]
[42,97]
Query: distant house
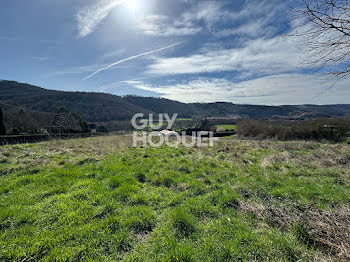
[44,131]
[166,132]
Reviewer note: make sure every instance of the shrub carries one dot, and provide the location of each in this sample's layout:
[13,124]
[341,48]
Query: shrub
[24,123]
[253,128]
[335,130]
[70,122]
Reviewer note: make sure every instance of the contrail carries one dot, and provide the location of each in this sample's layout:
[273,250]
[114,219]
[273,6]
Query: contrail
[130,58]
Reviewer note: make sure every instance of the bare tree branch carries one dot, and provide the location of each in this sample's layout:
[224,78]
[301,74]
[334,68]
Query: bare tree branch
[324,25]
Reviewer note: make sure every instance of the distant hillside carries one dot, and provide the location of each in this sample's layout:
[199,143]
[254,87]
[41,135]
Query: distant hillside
[92,106]
[100,107]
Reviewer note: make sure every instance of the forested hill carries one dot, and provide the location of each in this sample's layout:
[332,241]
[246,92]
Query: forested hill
[100,107]
[92,106]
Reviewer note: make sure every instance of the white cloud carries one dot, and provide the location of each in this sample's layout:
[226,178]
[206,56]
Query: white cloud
[255,28]
[160,25]
[115,84]
[270,90]
[223,21]
[188,23]
[254,24]
[264,53]
[265,56]
[89,17]
[252,20]
[210,12]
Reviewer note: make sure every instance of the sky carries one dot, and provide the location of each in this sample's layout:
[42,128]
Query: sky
[187,50]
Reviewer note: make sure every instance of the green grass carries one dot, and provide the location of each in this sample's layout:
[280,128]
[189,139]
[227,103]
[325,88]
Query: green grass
[227,127]
[180,124]
[99,199]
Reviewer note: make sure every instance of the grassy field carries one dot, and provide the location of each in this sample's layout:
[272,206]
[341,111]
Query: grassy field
[100,199]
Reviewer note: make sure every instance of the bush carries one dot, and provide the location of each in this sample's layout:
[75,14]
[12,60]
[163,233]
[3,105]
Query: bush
[253,128]
[335,130]
[25,123]
[70,122]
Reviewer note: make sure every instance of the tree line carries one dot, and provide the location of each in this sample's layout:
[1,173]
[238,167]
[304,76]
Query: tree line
[333,129]
[27,122]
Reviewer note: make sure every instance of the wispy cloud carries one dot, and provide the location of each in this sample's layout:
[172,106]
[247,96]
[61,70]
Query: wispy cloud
[6,38]
[130,58]
[257,46]
[131,81]
[271,90]
[128,82]
[114,53]
[41,58]
[188,23]
[160,25]
[252,20]
[264,56]
[78,70]
[89,17]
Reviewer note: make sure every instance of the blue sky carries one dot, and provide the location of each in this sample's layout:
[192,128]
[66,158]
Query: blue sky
[186,50]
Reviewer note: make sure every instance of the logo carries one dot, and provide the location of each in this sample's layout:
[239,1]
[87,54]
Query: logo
[162,133]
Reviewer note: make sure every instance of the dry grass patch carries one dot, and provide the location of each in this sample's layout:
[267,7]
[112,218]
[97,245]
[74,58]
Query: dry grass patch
[329,229]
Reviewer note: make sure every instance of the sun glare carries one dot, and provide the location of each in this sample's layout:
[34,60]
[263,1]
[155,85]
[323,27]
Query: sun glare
[132,4]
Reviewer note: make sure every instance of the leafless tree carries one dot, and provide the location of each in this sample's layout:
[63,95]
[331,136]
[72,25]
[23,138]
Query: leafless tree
[324,25]
[25,123]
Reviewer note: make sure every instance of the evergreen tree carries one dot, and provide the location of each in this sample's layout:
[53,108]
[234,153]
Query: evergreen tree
[2,125]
